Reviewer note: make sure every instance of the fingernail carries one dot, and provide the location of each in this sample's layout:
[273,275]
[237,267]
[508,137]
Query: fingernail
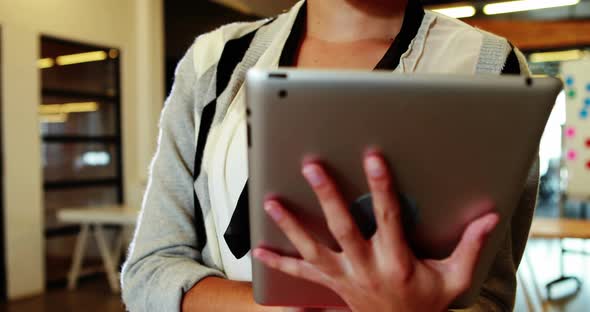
[273,210]
[313,175]
[263,256]
[259,254]
[375,167]
[491,224]
[256,253]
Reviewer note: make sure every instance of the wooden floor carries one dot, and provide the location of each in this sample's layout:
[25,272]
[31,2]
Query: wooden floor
[92,295]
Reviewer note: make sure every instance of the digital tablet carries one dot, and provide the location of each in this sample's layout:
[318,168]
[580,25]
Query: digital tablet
[450,140]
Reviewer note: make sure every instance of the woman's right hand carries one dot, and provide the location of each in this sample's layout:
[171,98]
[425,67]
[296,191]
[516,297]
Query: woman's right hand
[313,310]
[381,274]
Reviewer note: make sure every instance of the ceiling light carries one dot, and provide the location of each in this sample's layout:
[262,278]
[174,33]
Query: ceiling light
[525,5]
[457,12]
[81,107]
[556,56]
[81,58]
[113,53]
[101,158]
[45,63]
[54,118]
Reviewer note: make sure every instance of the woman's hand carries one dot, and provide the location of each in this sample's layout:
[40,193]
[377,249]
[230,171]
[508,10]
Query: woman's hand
[312,310]
[380,274]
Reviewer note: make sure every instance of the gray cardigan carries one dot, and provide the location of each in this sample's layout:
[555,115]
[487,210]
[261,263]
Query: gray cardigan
[176,242]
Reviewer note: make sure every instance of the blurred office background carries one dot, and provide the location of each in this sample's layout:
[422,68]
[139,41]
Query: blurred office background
[82,84]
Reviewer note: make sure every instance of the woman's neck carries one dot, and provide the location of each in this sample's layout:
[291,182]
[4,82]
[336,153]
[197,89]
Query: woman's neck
[354,20]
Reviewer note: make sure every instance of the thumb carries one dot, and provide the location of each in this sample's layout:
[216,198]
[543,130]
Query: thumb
[460,266]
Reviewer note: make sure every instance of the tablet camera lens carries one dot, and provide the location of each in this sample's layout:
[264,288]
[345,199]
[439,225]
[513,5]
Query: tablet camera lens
[283,94]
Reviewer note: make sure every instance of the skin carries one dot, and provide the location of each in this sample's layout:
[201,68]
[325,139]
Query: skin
[349,34]
[381,274]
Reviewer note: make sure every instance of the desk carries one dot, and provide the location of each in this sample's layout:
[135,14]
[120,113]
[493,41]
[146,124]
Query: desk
[549,228]
[94,219]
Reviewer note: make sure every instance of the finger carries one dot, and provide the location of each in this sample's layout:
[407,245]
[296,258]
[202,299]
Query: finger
[307,246]
[292,266]
[460,266]
[338,217]
[390,234]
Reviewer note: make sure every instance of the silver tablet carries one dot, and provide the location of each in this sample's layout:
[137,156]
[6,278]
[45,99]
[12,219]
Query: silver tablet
[449,139]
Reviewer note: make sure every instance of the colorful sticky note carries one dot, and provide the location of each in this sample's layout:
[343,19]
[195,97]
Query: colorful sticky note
[571,93]
[570,132]
[588,165]
[587,101]
[588,143]
[569,80]
[584,114]
[572,155]
[588,87]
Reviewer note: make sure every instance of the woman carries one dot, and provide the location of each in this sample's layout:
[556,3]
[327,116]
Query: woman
[191,250]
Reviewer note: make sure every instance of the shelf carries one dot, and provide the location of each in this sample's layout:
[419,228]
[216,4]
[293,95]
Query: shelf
[78,94]
[73,184]
[81,139]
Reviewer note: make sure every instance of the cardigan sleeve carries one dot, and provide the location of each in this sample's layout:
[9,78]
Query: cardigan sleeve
[499,290]
[163,260]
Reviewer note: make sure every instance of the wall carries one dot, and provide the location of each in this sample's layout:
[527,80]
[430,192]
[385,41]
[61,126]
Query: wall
[134,26]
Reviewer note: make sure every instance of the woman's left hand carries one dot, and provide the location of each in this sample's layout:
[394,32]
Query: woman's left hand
[380,274]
